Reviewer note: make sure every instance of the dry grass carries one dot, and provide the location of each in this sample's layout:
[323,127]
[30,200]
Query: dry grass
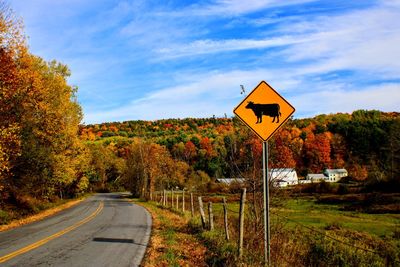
[40,216]
[171,243]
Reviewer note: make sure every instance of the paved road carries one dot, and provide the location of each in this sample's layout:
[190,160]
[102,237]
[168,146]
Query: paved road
[103,230]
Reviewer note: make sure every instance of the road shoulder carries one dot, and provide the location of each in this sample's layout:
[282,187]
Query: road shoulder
[41,215]
[171,242]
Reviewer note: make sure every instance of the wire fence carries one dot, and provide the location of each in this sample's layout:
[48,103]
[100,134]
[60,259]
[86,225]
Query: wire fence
[189,201]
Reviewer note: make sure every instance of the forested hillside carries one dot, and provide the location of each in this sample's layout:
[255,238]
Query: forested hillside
[190,152]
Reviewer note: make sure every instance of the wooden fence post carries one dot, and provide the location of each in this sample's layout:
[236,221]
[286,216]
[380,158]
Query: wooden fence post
[241,222]
[165,198]
[191,204]
[172,198]
[183,200]
[177,201]
[203,216]
[226,219]
[210,216]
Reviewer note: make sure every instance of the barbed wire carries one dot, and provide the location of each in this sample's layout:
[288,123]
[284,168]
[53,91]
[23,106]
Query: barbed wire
[311,229]
[328,236]
[228,209]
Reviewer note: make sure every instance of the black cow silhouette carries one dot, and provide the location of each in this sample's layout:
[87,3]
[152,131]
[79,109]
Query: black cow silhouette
[271,110]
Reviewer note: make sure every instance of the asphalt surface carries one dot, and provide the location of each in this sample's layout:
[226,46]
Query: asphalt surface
[103,230]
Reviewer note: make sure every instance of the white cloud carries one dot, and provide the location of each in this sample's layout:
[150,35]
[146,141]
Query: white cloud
[216,93]
[385,97]
[122,44]
[361,40]
[199,95]
[238,7]
[212,46]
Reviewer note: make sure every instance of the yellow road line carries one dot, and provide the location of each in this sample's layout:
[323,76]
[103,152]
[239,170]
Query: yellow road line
[49,238]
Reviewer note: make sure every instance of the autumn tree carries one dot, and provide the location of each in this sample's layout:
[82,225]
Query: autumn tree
[338,151]
[12,43]
[104,167]
[189,152]
[39,117]
[317,152]
[393,150]
[150,167]
[281,154]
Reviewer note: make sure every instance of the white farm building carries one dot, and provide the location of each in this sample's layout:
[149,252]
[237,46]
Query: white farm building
[229,181]
[329,175]
[315,177]
[283,177]
[334,175]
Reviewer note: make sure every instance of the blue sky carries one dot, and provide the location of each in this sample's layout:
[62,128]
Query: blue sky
[145,59]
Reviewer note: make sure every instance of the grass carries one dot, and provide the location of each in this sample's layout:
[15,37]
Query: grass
[344,238]
[306,211]
[171,243]
[169,236]
[331,236]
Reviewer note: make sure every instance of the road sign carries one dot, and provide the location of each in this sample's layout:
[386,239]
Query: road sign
[264,111]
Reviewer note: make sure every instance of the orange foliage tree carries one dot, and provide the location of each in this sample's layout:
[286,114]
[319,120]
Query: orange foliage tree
[281,153]
[317,151]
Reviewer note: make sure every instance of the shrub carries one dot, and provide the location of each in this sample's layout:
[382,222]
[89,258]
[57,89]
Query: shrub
[342,189]
[319,187]
[327,252]
[4,217]
[108,134]
[387,186]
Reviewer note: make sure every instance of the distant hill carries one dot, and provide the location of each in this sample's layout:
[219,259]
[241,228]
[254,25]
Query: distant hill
[365,142]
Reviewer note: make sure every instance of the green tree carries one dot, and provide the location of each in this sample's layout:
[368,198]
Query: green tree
[393,150]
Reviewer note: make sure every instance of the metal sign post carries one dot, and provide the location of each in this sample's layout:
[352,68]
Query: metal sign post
[267,242]
[264,111]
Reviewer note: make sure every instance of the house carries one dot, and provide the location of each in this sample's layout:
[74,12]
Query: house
[315,177]
[334,175]
[305,181]
[283,177]
[229,181]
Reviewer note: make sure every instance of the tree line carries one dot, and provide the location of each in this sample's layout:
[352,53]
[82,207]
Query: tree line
[366,143]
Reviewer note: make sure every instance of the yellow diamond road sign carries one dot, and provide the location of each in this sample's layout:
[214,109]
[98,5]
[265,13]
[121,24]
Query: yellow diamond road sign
[264,111]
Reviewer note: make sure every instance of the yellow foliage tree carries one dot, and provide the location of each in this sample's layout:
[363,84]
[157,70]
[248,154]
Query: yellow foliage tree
[40,153]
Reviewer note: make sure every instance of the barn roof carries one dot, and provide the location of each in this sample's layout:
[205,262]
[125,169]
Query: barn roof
[230,180]
[333,171]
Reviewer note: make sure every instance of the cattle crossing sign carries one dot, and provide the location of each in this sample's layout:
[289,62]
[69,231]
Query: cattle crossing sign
[264,111]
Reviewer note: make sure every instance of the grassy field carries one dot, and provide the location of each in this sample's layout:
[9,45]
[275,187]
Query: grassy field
[307,211]
[305,231]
